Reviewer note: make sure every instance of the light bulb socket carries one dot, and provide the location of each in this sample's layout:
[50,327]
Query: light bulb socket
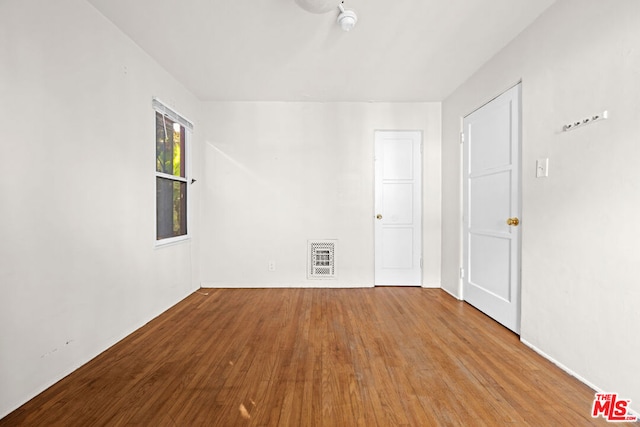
[347,19]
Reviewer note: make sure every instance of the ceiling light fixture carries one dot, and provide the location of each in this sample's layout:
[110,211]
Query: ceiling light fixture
[317,6]
[347,18]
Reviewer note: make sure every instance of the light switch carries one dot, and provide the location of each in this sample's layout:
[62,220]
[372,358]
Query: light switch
[542,168]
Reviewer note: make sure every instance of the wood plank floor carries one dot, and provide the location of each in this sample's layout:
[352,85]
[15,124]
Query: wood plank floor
[315,357]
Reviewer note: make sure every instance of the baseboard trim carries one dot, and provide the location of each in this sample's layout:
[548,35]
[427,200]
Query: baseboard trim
[560,365]
[431,286]
[571,372]
[108,344]
[321,284]
[451,293]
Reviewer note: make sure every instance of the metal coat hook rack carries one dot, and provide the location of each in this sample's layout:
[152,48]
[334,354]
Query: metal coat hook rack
[597,117]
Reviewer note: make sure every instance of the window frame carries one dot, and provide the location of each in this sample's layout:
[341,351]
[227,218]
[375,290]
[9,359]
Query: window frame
[161,108]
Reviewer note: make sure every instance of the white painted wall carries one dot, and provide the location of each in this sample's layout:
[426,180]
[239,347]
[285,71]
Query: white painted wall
[78,267]
[580,267]
[278,174]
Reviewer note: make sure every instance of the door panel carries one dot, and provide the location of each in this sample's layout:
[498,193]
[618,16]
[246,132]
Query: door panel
[397,159]
[492,196]
[492,147]
[397,203]
[398,248]
[487,193]
[490,265]
[398,208]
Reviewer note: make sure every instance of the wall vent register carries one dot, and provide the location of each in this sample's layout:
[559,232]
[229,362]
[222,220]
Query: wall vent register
[322,259]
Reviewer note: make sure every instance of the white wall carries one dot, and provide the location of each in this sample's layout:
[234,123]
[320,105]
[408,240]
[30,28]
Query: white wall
[278,174]
[580,266]
[78,267]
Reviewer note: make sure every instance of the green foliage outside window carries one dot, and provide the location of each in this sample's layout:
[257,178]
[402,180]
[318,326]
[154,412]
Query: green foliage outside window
[171,194]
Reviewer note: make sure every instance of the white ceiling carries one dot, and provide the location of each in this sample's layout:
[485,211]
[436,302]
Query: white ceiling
[273,50]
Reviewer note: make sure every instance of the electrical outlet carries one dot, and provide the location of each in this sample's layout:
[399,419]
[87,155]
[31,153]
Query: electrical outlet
[272,266]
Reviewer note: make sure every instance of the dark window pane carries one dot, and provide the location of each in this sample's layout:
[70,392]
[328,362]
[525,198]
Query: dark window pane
[170,142]
[171,206]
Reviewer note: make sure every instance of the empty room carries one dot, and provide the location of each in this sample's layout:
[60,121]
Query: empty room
[315,212]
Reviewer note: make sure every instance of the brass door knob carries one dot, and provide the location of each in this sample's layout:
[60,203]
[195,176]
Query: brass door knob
[513,221]
[379,216]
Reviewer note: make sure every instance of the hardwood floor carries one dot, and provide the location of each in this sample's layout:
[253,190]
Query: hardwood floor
[315,357]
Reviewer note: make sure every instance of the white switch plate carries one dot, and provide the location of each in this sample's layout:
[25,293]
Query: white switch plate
[542,168]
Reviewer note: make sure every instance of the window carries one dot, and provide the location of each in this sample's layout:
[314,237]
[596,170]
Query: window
[172,145]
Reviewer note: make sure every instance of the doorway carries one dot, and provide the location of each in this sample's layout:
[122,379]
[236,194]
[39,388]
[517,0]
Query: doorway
[398,208]
[491,208]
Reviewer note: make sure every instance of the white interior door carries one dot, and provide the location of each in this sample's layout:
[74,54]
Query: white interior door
[491,180]
[398,208]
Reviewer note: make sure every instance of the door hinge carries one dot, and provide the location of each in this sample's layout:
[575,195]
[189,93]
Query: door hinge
[461,273]
[420,262]
[461,137]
